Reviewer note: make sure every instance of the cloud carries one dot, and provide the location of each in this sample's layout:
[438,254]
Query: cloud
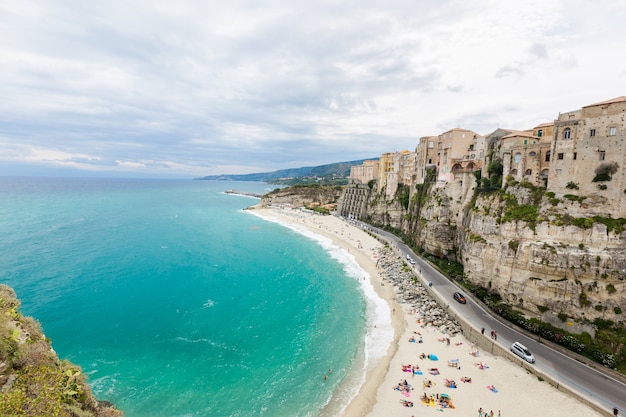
[193,88]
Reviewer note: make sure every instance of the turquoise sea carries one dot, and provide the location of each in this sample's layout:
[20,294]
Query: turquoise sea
[177,302]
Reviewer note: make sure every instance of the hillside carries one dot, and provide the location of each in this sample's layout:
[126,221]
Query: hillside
[33,381]
[328,173]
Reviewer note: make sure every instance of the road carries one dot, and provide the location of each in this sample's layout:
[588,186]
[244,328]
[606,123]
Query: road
[590,383]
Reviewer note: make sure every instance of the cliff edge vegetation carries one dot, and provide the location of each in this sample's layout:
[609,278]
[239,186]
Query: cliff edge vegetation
[33,381]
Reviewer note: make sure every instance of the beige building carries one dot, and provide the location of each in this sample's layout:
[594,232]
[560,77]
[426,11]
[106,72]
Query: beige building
[588,156]
[396,168]
[454,150]
[425,156]
[366,172]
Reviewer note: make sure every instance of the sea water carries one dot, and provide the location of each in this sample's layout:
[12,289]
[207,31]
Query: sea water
[177,302]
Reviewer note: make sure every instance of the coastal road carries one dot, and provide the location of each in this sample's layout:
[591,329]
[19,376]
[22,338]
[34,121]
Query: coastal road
[588,382]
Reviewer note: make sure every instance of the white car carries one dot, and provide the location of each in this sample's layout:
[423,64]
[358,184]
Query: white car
[521,351]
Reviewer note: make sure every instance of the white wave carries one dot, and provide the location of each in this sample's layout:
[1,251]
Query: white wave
[209,303]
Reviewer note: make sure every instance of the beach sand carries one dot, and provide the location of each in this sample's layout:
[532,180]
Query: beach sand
[502,387]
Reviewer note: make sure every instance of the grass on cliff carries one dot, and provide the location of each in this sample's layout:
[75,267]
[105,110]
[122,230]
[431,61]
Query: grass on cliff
[34,381]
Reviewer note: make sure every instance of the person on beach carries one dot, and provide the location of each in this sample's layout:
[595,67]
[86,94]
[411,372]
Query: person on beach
[482,331]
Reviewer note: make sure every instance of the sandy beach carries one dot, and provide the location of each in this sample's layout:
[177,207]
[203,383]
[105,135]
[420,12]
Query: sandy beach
[441,383]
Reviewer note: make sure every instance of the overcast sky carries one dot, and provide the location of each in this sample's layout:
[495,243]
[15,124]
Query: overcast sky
[190,88]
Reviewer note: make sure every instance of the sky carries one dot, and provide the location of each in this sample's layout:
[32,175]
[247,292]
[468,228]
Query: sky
[183,89]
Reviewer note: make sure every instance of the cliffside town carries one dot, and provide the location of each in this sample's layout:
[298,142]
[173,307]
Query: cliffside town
[535,216]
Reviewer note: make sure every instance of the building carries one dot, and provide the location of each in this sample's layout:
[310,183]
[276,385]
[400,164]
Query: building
[354,199]
[453,147]
[588,156]
[395,168]
[526,156]
[426,156]
[365,172]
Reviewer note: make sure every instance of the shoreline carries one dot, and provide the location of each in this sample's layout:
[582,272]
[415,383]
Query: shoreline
[363,248]
[515,391]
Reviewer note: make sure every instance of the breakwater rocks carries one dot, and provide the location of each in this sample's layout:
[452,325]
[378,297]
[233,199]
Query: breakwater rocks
[411,292]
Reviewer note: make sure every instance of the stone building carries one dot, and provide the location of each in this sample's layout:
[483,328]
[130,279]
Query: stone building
[588,156]
[526,157]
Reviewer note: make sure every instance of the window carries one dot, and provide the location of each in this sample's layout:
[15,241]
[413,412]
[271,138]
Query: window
[540,133]
[528,172]
[517,158]
[575,156]
[602,155]
[567,133]
[532,153]
[612,131]
[592,132]
[431,144]
[525,142]
[559,155]
[548,156]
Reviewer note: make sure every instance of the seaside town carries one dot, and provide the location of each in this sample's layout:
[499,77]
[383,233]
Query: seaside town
[573,165]
[580,150]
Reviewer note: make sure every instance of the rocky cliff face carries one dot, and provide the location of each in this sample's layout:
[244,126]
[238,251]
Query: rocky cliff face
[543,255]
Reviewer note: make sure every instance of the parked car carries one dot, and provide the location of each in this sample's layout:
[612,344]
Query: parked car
[521,351]
[460,297]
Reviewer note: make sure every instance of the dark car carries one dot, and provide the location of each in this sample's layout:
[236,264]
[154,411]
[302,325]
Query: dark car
[460,297]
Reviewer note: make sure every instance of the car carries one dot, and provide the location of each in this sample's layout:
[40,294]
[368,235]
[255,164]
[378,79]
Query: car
[459,297]
[521,351]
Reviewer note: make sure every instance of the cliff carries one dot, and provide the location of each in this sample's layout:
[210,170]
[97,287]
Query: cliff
[303,196]
[544,262]
[542,254]
[33,381]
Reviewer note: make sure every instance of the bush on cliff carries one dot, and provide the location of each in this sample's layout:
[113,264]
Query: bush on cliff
[34,382]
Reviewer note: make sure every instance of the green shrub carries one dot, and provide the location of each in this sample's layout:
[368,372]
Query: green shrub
[605,172]
[572,185]
[610,288]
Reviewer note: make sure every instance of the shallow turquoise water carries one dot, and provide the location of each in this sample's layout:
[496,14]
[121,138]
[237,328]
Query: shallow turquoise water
[176,302]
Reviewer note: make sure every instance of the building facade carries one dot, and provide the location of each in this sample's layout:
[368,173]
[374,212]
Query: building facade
[588,155]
